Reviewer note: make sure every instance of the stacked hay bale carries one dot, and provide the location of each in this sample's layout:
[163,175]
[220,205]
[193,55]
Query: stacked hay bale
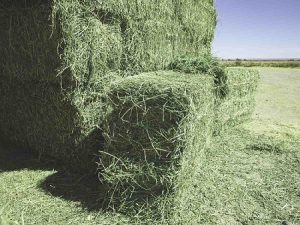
[156,118]
[45,104]
[233,108]
[159,127]
[239,103]
[65,75]
[58,57]
[235,89]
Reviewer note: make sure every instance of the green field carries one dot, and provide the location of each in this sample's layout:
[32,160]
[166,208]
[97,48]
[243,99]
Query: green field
[278,100]
[264,63]
[250,176]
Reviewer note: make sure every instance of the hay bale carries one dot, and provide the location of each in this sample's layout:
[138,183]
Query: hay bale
[159,122]
[239,104]
[158,129]
[204,64]
[41,117]
[58,57]
[44,106]
[156,32]
[92,38]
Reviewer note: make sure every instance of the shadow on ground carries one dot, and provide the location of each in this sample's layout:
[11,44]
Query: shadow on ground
[70,186]
[85,189]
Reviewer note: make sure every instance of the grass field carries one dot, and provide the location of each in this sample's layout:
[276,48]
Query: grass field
[263,63]
[278,108]
[251,176]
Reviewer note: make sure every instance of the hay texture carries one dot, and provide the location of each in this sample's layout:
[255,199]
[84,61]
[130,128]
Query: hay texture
[58,57]
[76,72]
[158,130]
[239,103]
[204,64]
[44,105]
[40,116]
[158,127]
[92,38]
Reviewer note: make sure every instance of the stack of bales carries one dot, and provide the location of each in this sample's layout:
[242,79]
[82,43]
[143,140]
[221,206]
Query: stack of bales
[58,57]
[46,103]
[159,127]
[75,71]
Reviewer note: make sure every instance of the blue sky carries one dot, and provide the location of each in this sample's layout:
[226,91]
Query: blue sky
[257,29]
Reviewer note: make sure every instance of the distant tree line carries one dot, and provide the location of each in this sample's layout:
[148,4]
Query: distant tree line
[286,63]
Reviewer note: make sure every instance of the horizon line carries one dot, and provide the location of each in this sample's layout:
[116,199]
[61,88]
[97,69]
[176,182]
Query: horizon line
[262,59]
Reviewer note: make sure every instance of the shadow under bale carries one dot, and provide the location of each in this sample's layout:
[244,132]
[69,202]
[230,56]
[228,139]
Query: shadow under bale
[71,186]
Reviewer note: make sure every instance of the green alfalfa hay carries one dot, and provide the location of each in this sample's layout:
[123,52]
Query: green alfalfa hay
[238,105]
[80,47]
[43,107]
[90,41]
[140,35]
[40,117]
[96,38]
[153,125]
[204,64]
[28,44]
[162,178]
[85,74]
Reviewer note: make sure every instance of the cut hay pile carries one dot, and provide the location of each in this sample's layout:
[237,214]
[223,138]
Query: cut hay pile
[58,57]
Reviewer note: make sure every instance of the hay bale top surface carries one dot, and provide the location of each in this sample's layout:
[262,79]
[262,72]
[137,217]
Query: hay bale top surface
[242,75]
[162,81]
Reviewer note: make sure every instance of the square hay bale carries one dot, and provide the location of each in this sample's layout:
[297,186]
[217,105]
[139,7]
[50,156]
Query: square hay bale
[239,103]
[91,38]
[40,116]
[158,127]
[158,130]
[156,32]
[204,64]
[58,57]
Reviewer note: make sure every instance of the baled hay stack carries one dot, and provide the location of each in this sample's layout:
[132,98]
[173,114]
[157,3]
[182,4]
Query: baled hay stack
[58,57]
[62,84]
[158,130]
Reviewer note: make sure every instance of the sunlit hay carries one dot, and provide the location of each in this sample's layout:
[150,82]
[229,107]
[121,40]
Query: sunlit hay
[159,122]
[76,71]
[158,130]
[204,64]
[238,105]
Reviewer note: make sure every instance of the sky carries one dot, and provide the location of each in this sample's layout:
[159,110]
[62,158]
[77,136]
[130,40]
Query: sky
[257,29]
